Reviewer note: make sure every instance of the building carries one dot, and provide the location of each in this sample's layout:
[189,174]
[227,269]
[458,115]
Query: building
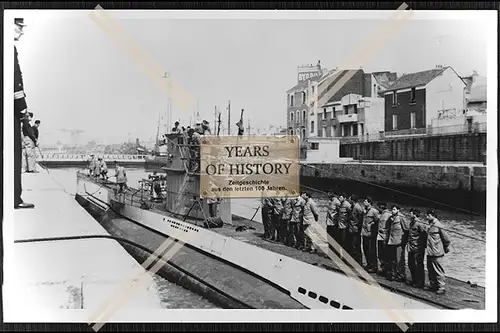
[359,113]
[475,92]
[414,100]
[300,98]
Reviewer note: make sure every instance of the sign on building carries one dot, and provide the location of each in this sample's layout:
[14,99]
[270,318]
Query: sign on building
[308,76]
[249,166]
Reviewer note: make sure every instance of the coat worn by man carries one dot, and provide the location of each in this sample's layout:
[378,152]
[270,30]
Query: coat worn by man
[354,233]
[310,215]
[370,222]
[276,220]
[296,222]
[382,242]
[438,243]
[396,242]
[265,208]
[20,110]
[286,216]
[417,233]
[343,217]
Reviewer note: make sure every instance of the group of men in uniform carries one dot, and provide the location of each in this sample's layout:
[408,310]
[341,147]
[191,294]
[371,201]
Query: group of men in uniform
[286,220]
[98,167]
[384,236]
[30,143]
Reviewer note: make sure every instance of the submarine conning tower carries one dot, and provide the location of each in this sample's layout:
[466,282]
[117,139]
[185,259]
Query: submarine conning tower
[184,184]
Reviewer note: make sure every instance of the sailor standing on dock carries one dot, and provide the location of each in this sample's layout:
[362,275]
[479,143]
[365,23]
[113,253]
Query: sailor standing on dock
[438,244]
[30,143]
[20,111]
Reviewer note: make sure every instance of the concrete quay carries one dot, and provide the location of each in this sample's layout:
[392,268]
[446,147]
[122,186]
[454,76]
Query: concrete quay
[43,277]
[455,184]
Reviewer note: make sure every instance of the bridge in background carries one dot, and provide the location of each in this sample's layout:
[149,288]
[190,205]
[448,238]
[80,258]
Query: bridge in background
[67,160]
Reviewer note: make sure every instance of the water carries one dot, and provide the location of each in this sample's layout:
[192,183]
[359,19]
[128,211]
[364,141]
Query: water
[465,261]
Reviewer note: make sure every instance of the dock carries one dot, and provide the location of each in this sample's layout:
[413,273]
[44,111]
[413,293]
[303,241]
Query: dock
[50,275]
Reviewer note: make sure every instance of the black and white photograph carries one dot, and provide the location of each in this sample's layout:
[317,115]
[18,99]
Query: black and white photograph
[117,207]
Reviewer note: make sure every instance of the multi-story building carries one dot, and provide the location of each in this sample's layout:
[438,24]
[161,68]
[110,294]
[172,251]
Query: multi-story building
[359,112]
[414,100]
[300,100]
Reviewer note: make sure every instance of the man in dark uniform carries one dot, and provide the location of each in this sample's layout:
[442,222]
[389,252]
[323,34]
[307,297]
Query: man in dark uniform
[20,117]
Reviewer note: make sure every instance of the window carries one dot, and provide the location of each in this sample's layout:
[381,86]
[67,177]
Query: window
[314,145]
[313,89]
[303,97]
[412,96]
[291,100]
[333,130]
[312,126]
[303,133]
[413,120]
[324,131]
[303,115]
[394,98]
[394,122]
[291,116]
[324,114]
[291,131]
[333,112]
[355,108]
[297,118]
[346,109]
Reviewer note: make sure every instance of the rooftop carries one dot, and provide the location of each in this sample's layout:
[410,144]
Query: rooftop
[416,79]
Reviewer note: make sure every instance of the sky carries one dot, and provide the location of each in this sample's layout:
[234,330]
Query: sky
[76,78]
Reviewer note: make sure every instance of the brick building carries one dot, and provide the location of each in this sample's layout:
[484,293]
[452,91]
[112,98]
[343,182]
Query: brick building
[414,100]
[356,108]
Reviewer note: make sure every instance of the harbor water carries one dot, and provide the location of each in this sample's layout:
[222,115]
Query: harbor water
[465,261]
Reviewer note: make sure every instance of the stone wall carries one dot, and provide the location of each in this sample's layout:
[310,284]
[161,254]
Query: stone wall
[455,186]
[460,147]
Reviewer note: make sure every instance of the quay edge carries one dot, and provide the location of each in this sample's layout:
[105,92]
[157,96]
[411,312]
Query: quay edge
[429,184]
